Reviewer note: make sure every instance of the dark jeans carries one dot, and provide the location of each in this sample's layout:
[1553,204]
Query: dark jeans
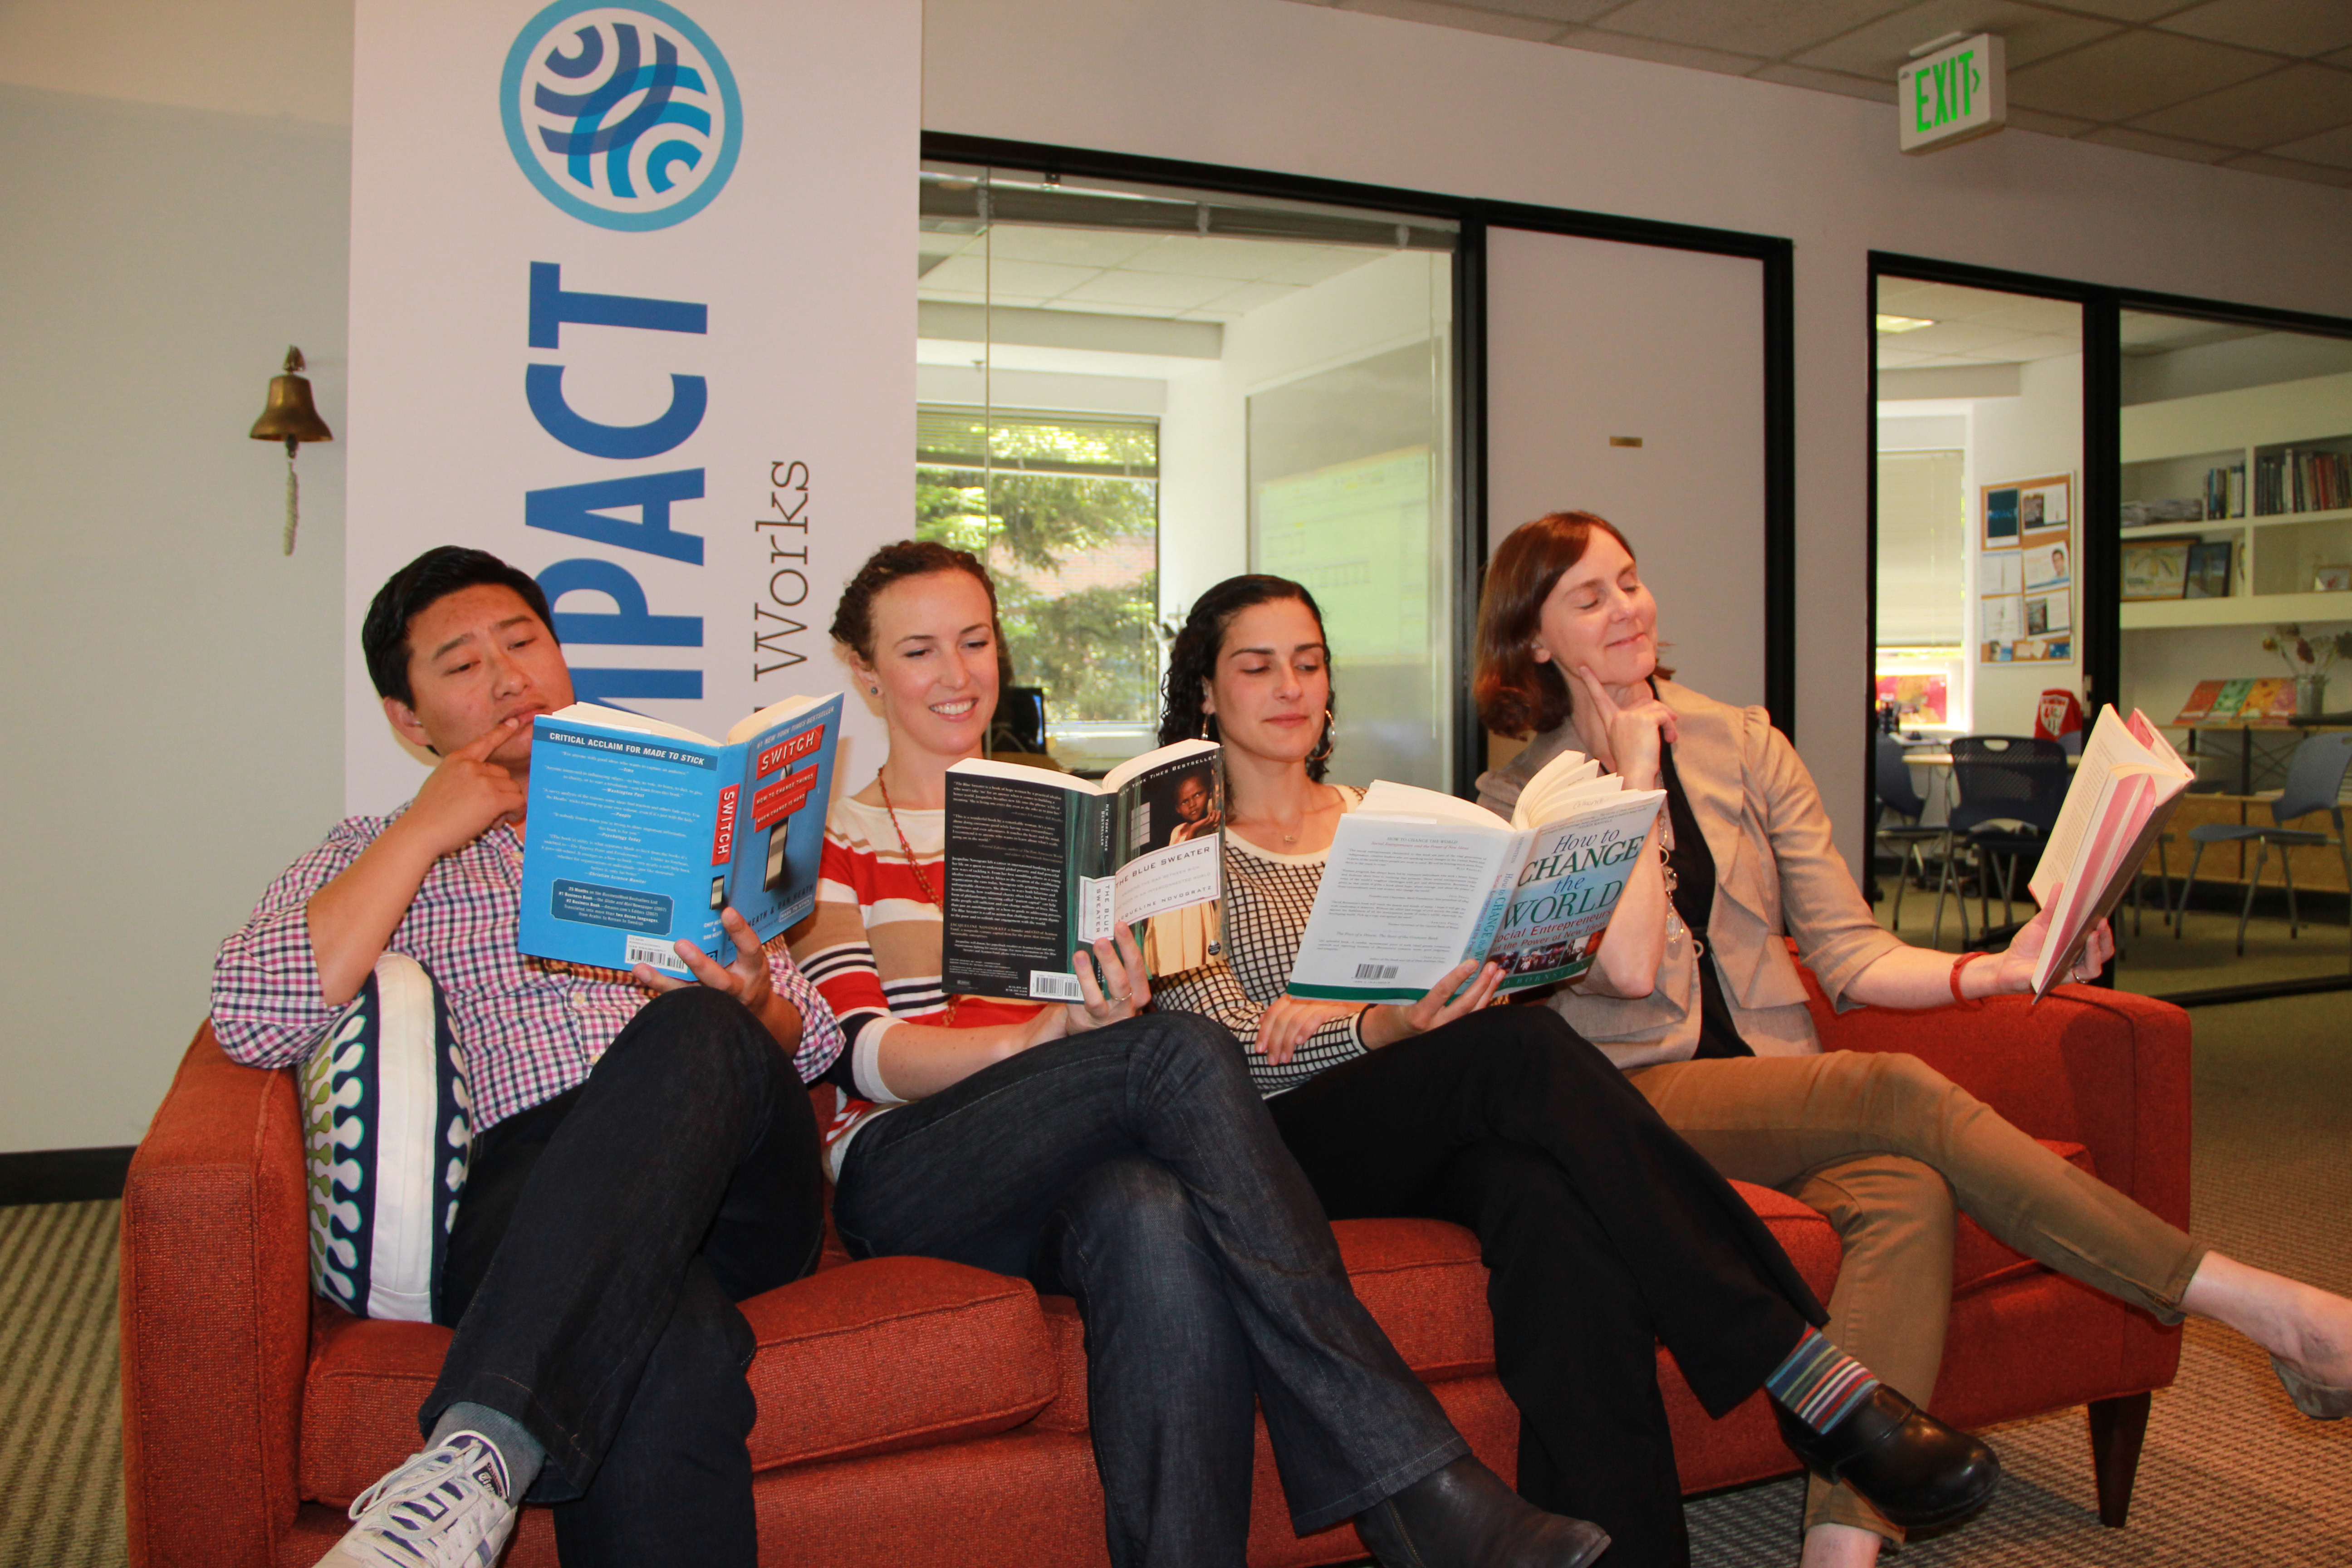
[1135,1167]
[604,1239]
[1604,1232]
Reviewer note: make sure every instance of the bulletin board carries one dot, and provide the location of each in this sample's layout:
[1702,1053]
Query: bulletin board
[2025,596]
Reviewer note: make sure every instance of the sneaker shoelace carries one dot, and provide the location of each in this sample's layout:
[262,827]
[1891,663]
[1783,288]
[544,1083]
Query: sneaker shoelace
[445,1508]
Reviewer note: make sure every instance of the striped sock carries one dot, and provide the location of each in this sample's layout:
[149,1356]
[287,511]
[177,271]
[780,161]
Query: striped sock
[1819,1384]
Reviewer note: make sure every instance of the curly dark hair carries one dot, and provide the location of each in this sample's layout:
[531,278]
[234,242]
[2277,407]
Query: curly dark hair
[1193,660]
[853,618]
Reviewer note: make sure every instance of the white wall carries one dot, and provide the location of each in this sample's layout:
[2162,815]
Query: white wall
[2032,436]
[1267,84]
[177,701]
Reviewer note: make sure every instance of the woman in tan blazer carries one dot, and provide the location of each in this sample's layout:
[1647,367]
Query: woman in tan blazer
[1719,1039]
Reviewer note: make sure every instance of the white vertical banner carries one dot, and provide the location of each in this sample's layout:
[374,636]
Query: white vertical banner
[631,309]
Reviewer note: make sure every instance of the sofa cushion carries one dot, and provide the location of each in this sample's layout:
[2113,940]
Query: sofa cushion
[387,1132]
[890,1354]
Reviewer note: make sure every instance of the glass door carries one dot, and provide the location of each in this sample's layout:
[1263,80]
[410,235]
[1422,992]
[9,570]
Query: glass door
[2235,531]
[1129,392]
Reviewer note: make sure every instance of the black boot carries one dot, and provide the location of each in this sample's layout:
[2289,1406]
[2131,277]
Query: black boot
[1910,1467]
[1463,1516]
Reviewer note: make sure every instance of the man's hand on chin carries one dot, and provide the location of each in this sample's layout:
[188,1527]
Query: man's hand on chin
[468,793]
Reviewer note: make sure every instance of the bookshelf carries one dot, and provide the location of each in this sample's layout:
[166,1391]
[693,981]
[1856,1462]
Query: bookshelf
[2170,448]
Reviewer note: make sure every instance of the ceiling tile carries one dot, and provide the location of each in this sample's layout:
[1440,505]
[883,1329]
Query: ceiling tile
[2285,106]
[2132,73]
[1194,255]
[1071,247]
[1554,10]
[1534,29]
[2047,124]
[1250,297]
[2162,146]
[1883,47]
[1325,262]
[969,273]
[1159,290]
[1663,54]
[2291,169]
[2301,27]
[2125,10]
[2330,147]
[1829,81]
[1950,337]
[1768,28]
[2026,314]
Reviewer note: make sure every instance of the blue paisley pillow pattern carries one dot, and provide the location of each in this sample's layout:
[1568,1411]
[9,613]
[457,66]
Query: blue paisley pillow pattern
[387,1126]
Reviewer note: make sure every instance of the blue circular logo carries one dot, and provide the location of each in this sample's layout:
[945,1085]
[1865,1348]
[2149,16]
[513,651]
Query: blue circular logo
[623,116]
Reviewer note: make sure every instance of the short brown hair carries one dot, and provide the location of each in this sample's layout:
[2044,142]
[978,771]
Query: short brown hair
[1517,693]
[853,619]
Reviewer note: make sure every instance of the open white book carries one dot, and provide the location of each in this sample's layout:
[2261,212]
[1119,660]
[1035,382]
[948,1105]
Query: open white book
[2120,798]
[1419,882]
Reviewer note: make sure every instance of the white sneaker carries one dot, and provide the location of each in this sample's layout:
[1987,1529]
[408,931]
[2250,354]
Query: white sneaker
[445,1508]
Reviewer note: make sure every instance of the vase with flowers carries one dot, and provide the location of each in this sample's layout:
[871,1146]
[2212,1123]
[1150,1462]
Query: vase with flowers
[2308,659]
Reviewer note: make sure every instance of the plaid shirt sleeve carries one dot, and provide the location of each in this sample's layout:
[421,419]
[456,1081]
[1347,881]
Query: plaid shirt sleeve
[267,1008]
[820,1036]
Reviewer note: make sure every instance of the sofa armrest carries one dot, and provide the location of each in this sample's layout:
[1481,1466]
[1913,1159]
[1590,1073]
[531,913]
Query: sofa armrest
[214,1316]
[2107,1069]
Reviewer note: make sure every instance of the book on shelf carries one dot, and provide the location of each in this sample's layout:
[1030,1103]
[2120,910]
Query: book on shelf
[2177,508]
[1040,864]
[2117,805]
[1417,882]
[2270,700]
[642,832]
[2225,492]
[2200,702]
[2232,698]
[2300,479]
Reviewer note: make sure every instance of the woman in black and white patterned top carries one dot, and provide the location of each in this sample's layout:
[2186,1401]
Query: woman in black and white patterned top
[1603,1230]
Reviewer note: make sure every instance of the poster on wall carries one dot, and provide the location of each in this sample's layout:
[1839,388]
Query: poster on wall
[2025,573]
[629,308]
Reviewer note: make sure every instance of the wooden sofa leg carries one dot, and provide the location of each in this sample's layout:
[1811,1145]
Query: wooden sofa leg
[2119,1427]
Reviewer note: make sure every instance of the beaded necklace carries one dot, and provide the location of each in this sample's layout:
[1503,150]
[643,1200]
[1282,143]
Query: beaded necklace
[920,881]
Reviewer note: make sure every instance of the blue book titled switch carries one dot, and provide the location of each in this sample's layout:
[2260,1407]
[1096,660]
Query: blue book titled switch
[640,833]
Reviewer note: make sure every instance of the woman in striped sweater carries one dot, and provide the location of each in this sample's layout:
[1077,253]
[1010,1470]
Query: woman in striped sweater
[1118,1155]
[1602,1229]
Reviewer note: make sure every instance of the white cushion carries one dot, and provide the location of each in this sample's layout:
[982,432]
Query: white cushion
[388,1127]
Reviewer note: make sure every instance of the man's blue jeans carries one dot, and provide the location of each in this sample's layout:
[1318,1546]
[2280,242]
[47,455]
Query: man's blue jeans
[1135,1167]
[604,1239]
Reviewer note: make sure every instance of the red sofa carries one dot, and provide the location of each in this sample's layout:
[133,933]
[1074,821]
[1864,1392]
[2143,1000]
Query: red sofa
[914,1411]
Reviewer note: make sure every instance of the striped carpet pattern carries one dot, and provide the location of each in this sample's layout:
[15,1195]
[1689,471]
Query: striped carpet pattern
[2231,1474]
[61,1422]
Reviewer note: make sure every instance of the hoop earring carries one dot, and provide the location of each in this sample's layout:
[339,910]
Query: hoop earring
[1322,752]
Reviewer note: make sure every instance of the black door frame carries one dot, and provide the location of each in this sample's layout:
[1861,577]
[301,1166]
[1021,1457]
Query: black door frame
[1474,216]
[2099,553]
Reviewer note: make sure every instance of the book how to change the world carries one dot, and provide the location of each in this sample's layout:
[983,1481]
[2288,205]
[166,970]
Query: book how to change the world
[1417,882]
[640,832]
[1039,863]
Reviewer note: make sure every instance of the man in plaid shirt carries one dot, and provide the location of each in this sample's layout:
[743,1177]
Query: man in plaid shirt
[644,1156]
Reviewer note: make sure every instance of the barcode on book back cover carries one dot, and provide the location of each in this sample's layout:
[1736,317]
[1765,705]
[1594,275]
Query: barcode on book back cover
[654,950]
[1046,985]
[1376,970]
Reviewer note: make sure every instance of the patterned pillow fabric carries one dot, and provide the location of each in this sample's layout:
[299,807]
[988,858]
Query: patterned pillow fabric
[387,1126]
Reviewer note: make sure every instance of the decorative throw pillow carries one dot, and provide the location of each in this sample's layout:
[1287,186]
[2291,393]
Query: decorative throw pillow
[387,1124]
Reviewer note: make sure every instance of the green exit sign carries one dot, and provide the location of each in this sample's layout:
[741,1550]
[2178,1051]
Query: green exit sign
[1955,95]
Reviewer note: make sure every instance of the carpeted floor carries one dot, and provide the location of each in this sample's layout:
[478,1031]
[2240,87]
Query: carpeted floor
[2231,1474]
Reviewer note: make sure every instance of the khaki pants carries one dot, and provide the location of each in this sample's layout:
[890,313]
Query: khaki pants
[1885,1146]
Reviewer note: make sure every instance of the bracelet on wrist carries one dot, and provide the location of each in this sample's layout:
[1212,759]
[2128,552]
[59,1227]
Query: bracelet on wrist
[1958,1000]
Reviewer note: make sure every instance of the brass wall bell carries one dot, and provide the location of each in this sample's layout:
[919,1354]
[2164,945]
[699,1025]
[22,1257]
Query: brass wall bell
[291,416]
